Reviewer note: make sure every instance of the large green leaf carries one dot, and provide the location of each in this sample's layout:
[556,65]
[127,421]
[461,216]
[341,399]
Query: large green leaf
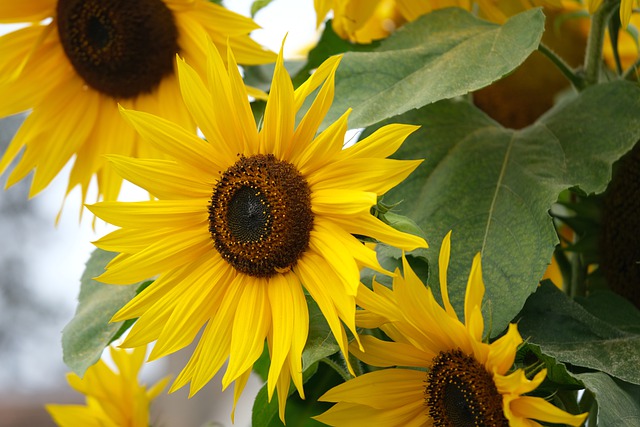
[567,331]
[443,54]
[89,332]
[617,406]
[494,186]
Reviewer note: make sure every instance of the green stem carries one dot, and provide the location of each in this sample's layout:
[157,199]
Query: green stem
[576,81]
[341,370]
[578,276]
[595,43]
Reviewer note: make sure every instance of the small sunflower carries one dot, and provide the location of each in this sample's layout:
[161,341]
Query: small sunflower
[460,380]
[362,21]
[244,220]
[114,399]
[79,58]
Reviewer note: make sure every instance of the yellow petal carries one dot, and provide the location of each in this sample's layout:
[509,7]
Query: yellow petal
[368,225]
[443,266]
[279,115]
[382,143]
[164,179]
[388,353]
[374,175]
[324,149]
[175,141]
[626,7]
[312,119]
[541,410]
[30,11]
[283,320]
[153,214]
[383,389]
[174,251]
[502,352]
[251,324]
[473,300]
[300,333]
[75,415]
[316,79]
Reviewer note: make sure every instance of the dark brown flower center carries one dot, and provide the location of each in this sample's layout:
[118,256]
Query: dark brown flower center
[260,216]
[122,48]
[619,242]
[461,393]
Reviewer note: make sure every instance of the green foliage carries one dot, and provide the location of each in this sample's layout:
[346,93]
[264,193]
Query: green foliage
[257,5]
[572,334]
[618,403]
[89,332]
[329,44]
[444,54]
[494,186]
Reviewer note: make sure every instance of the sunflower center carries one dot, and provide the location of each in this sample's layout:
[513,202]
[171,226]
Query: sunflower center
[260,216]
[121,48]
[619,245]
[461,393]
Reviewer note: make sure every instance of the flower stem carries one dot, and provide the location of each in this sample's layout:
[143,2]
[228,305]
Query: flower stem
[576,80]
[341,370]
[595,43]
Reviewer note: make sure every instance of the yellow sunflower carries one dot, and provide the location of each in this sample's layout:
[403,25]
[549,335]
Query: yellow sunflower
[79,58]
[460,380]
[244,220]
[114,399]
[362,21]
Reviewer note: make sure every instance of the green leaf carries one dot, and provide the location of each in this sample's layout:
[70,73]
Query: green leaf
[329,44]
[444,54]
[618,405]
[89,332]
[567,331]
[557,375]
[616,310]
[298,412]
[257,5]
[494,186]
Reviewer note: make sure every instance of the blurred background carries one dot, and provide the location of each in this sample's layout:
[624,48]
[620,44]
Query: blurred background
[41,264]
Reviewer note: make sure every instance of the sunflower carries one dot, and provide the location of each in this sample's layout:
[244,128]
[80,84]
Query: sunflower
[460,380]
[362,21]
[244,220]
[114,399]
[79,58]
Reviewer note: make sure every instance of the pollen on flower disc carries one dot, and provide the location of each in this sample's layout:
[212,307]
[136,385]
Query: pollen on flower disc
[260,216]
[461,393]
[121,48]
